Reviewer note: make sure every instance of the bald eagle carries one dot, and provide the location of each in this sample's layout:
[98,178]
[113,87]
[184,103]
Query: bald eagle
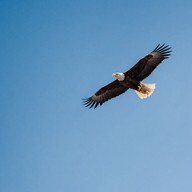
[131,79]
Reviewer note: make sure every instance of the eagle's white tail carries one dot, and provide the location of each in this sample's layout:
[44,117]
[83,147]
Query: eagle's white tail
[145,91]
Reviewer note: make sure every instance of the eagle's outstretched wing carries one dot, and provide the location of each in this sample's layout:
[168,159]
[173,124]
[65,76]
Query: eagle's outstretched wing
[146,65]
[104,94]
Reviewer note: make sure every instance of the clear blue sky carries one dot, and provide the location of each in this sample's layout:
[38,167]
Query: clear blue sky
[55,52]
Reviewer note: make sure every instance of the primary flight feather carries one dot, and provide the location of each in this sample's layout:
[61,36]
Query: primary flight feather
[131,79]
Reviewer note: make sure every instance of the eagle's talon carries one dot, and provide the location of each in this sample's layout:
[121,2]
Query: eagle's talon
[139,88]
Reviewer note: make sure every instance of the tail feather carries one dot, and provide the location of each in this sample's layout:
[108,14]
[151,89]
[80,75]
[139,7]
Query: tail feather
[145,91]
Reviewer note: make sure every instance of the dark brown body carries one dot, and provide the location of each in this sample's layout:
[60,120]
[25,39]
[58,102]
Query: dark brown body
[130,83]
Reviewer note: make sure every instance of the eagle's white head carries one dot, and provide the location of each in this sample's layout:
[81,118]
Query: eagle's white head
[119,76]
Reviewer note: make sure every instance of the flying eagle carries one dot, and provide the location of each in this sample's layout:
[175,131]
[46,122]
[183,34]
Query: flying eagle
[131,79]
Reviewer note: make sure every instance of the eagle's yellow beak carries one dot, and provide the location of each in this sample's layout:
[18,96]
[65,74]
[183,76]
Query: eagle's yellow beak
[114,74]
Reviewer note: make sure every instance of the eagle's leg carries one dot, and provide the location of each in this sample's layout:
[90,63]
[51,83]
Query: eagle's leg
[141,88]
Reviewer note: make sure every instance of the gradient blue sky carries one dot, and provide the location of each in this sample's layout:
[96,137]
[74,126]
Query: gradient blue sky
[55,52]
